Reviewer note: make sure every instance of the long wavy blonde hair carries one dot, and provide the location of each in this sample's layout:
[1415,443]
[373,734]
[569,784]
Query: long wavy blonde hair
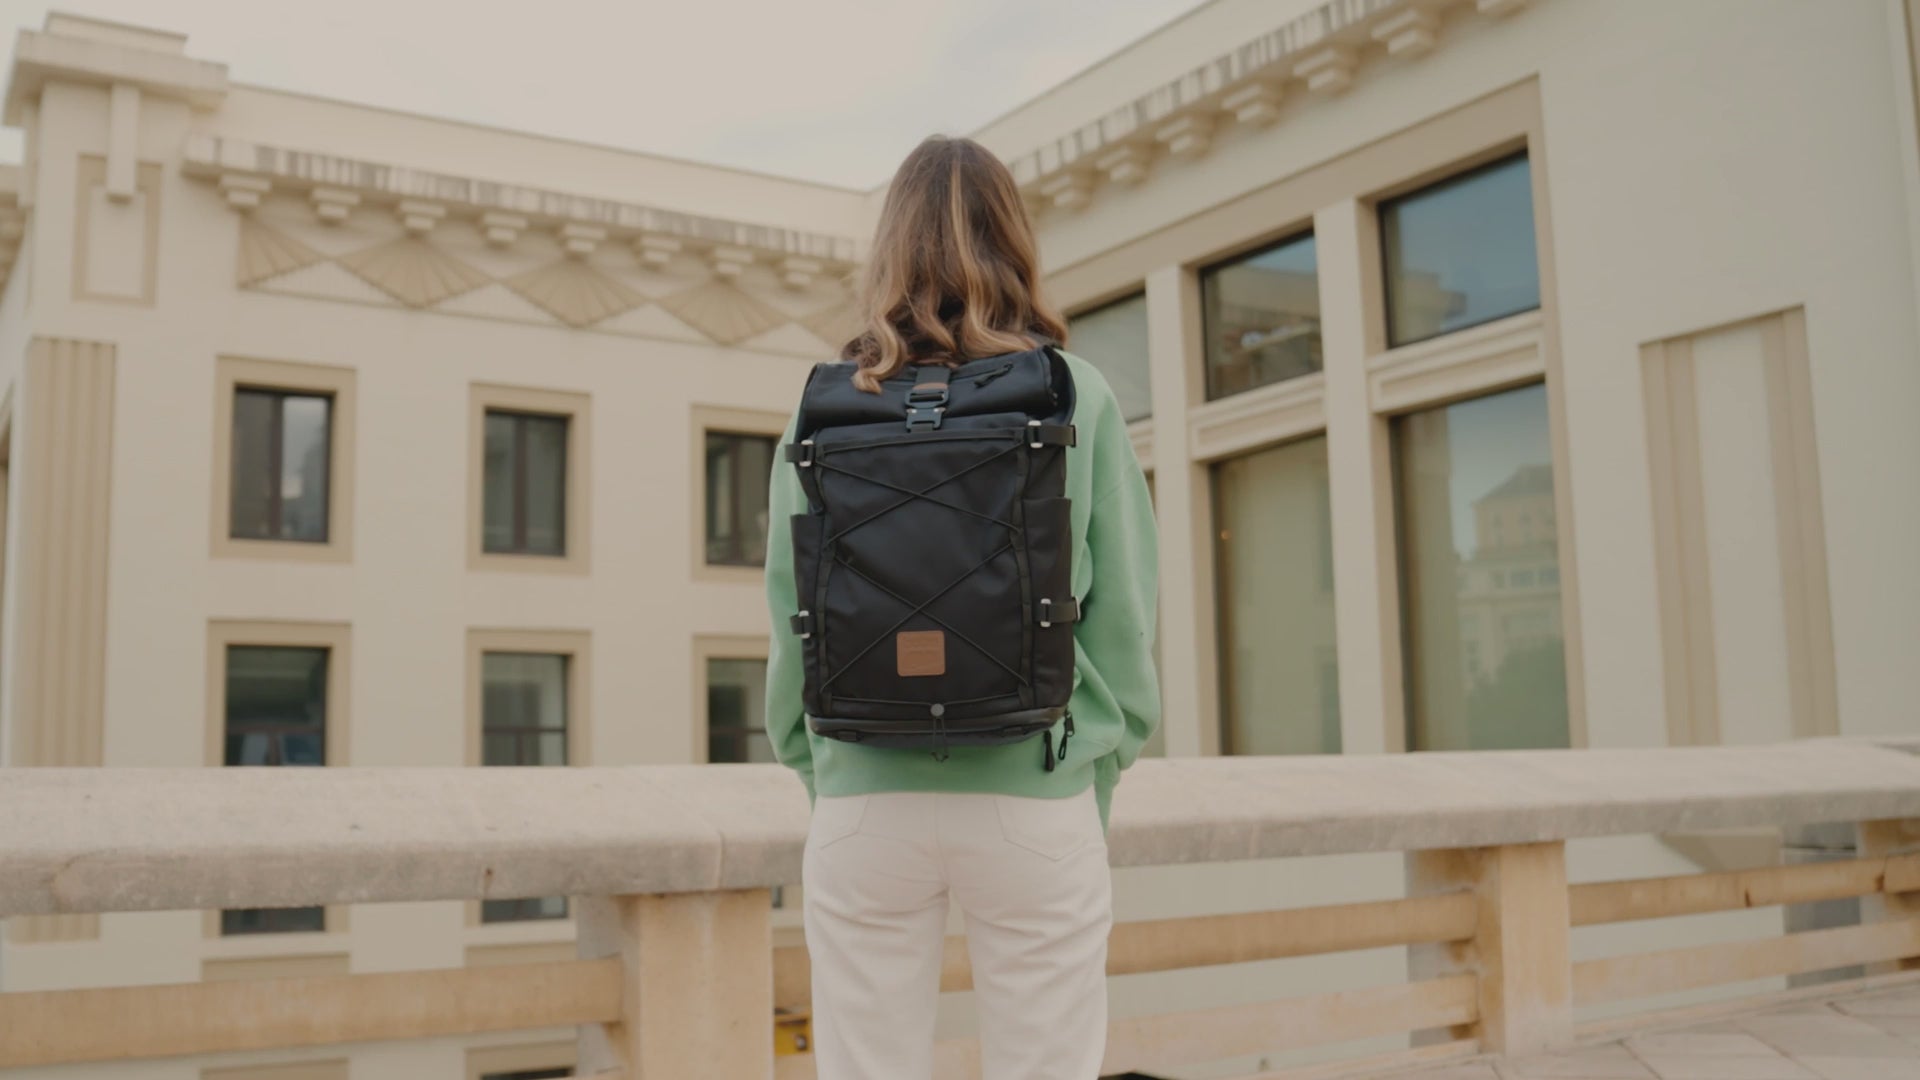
[954,274]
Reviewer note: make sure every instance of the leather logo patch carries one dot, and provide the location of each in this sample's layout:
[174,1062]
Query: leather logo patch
[920,652]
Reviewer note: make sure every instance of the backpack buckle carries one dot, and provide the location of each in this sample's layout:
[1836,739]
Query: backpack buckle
[925,406]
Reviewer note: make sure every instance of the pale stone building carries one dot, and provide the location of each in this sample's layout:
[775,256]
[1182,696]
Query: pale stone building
[1509,374]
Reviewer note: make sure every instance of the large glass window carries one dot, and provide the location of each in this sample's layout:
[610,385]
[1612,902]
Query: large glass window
[736,711]
[738,470]
[523,721]
[525,485]
[281,446]
[1460,253]
[1262,317]
[276,714]
[1280,686]
[1481,567]
[1113,338]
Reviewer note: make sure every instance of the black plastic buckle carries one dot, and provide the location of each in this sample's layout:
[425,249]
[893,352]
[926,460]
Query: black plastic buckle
[926,404]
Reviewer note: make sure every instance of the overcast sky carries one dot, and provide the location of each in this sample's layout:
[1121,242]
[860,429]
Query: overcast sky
[828,90]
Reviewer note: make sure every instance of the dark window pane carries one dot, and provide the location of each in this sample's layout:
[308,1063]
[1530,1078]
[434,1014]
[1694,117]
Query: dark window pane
[546,487]
[524,484]
[1114,339]
[738,470]
[304,920]
[276,714]
[736,711]
[1262,317]
[497,483]
[1279,676]
[1485,665]
[1461,252]
[280,468]
[557,1073]
[545,907]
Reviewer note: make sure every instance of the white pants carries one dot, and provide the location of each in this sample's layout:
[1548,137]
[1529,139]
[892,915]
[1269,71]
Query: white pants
[1031,877]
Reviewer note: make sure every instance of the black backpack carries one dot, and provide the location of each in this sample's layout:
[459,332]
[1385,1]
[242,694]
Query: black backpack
[933,563]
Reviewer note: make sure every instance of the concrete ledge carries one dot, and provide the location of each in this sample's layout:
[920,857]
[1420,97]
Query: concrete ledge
[83,840]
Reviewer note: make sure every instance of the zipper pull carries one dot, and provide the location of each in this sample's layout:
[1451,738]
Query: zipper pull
[986,377]
[1046,743]
[1064,736]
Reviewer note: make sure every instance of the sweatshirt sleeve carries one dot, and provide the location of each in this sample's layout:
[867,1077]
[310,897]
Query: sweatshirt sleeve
[1117,618]
[786,719]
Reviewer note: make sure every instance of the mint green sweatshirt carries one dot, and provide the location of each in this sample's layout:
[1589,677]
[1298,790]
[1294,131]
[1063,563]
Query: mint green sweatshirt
[1116,692]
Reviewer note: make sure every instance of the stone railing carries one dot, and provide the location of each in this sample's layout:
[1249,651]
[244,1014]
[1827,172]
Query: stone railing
[677,975]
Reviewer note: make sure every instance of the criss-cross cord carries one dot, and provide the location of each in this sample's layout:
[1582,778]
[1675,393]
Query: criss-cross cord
[931,617]
[922,606]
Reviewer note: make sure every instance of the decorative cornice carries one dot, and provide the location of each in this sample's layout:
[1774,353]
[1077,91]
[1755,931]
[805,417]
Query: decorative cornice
[1323,51]
[216,158]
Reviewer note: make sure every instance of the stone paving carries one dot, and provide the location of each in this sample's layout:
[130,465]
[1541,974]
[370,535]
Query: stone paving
[1872,1036]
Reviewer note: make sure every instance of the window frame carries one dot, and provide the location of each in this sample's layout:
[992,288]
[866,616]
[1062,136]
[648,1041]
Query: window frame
[577,647]
[706,538]
[1135,424]
[1302,230]
[234,374]
[522,420]
[1475,166]
[576,409]
[336,638]
[709,647]
[723,420]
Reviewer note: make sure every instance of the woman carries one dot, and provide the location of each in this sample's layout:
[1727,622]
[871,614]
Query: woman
[896,834]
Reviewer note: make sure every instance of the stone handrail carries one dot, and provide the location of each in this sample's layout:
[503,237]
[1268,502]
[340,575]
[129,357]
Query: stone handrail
[88,840]
[671,867]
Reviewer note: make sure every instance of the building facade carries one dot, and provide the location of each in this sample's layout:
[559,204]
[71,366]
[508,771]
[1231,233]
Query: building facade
[1508,374]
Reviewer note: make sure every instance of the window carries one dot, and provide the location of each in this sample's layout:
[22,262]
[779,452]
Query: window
[1461,252]
[276,715]
[1279,674]
[738,470]
[283,460]
[523,709]
[1484,671]
[1113,338]
[526,484]
[1262,317]
[527,688]
[280,465]
[529,482]
[736,710]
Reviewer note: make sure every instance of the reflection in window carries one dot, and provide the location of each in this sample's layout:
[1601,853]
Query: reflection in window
[1485,666]
[1113,338]
[276,714]
[738,470]
[1460,253]
[1280,683]
[523,721]
[524,497]
[280,465]
[736,711]
[1262,317]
